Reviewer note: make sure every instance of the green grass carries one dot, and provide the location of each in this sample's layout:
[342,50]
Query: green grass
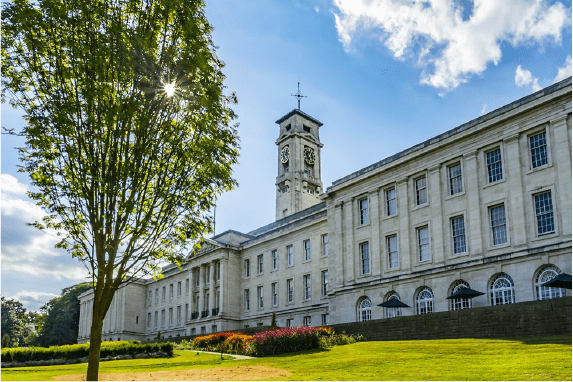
[539,358]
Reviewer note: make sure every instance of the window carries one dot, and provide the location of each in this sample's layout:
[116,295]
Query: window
[156,295]
[203,330]
[156,318]
[545,293]
[306,246]
[325,319]
[247,300]
[455,178]
[148,320]
[324,278]
[290,290]
[207,274]
[425,301]
[538,147]
[179,315]
[307,287]
[393,312]
[498,228]
[289,322]
[193,331]
[363,211]
[324,245]
[365,309]
[197,273]
[136,320]
[170,290]
[501,290]
[423,243]
[274,256]
[247,268]
[218,270]
[259,324]
[260,264]
[290,255]
[275,293]
[307,321]
[163,293]
[186,312]
[544,213]
[186,286]
[390,196]
[494,169]
[260,297]
[458,235]
[460,303]
[364,259]
[392,245]
[149,298]
[421,191]
[179,288]
[163,318]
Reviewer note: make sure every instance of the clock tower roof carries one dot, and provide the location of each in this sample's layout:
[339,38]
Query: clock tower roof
[299,112]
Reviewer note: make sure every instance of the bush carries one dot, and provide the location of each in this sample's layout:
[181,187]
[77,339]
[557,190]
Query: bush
[288,340]
[74,352]
[210,342]
[238,344]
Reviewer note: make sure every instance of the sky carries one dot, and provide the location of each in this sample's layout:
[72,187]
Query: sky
[381,75]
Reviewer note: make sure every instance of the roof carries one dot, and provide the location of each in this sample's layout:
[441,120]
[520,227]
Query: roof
[491,115]
[299,112]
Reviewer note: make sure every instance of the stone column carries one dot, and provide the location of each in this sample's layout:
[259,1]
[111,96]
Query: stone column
[516,208]
[562,160]
[473,218]
[211,287]
[348,231]
[190,297]
[201,289]
[375,247]
[437,248]
[405,247]
[336,249]
[223,267]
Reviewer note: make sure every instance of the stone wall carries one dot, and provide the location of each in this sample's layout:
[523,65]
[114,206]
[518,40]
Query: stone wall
[533,318]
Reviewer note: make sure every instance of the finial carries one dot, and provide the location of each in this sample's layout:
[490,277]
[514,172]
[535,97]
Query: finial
[298,95]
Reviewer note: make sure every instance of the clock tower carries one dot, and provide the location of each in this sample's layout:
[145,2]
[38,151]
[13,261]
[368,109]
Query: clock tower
[298,181]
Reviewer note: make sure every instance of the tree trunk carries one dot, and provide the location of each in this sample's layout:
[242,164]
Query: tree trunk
[95,346]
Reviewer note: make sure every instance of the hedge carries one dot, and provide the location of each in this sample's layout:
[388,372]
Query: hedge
[71,352]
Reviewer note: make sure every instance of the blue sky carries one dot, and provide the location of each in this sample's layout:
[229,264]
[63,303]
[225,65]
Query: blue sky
[380,75]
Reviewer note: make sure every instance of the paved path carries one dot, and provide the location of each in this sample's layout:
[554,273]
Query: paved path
[236,356]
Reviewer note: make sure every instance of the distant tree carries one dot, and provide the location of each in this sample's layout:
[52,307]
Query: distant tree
[61,317]
[129,134]
[17,324]
[274,320]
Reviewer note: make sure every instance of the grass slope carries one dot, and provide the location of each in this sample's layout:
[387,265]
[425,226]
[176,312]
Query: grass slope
[538,358]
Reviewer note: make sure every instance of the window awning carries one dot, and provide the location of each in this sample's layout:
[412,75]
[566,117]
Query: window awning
[562,280]
[464,293]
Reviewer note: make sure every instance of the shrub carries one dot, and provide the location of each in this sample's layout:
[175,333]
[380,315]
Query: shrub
[288,340]
[210,342]
[238,344]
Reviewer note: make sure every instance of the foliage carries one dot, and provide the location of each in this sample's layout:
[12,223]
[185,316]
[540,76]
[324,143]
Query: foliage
[532,358]
[274,320]
[211,341]
[17,324]
[61,316]
[125,170]
[72,352]
[286,340]
[238,344]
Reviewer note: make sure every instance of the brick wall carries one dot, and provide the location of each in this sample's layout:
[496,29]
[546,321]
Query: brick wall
[532,318]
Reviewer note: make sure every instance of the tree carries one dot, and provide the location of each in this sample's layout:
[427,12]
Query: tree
[17,324]
[129,134]
[61,317]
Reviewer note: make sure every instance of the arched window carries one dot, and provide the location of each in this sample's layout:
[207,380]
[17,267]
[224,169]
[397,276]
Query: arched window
[392,312]
[501,290]
[425,301]
[365,309]
[544,275]
[459,303]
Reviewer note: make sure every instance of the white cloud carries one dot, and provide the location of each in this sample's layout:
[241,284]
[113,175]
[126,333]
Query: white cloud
[564,71]
[449,47]
[483,109]
[523,77]
[27,297]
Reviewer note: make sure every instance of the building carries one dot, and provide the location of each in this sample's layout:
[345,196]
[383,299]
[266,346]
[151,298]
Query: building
[486,205]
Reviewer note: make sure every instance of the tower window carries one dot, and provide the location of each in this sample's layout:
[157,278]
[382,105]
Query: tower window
[287,127]
[306,128]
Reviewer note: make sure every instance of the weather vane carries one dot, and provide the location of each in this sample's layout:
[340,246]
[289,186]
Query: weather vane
[298,95]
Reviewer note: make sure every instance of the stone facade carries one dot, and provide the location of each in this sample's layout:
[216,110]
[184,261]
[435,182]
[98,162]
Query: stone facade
[486,205]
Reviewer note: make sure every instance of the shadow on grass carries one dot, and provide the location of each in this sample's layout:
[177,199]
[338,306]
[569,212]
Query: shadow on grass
[290,354]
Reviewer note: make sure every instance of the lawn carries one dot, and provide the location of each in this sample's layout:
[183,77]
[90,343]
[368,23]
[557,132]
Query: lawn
[538,358]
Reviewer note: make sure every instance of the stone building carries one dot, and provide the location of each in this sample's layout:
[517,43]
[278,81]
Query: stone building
[486,205]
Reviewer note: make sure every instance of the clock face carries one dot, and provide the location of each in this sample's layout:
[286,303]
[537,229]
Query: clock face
[309,156]
[285,154]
